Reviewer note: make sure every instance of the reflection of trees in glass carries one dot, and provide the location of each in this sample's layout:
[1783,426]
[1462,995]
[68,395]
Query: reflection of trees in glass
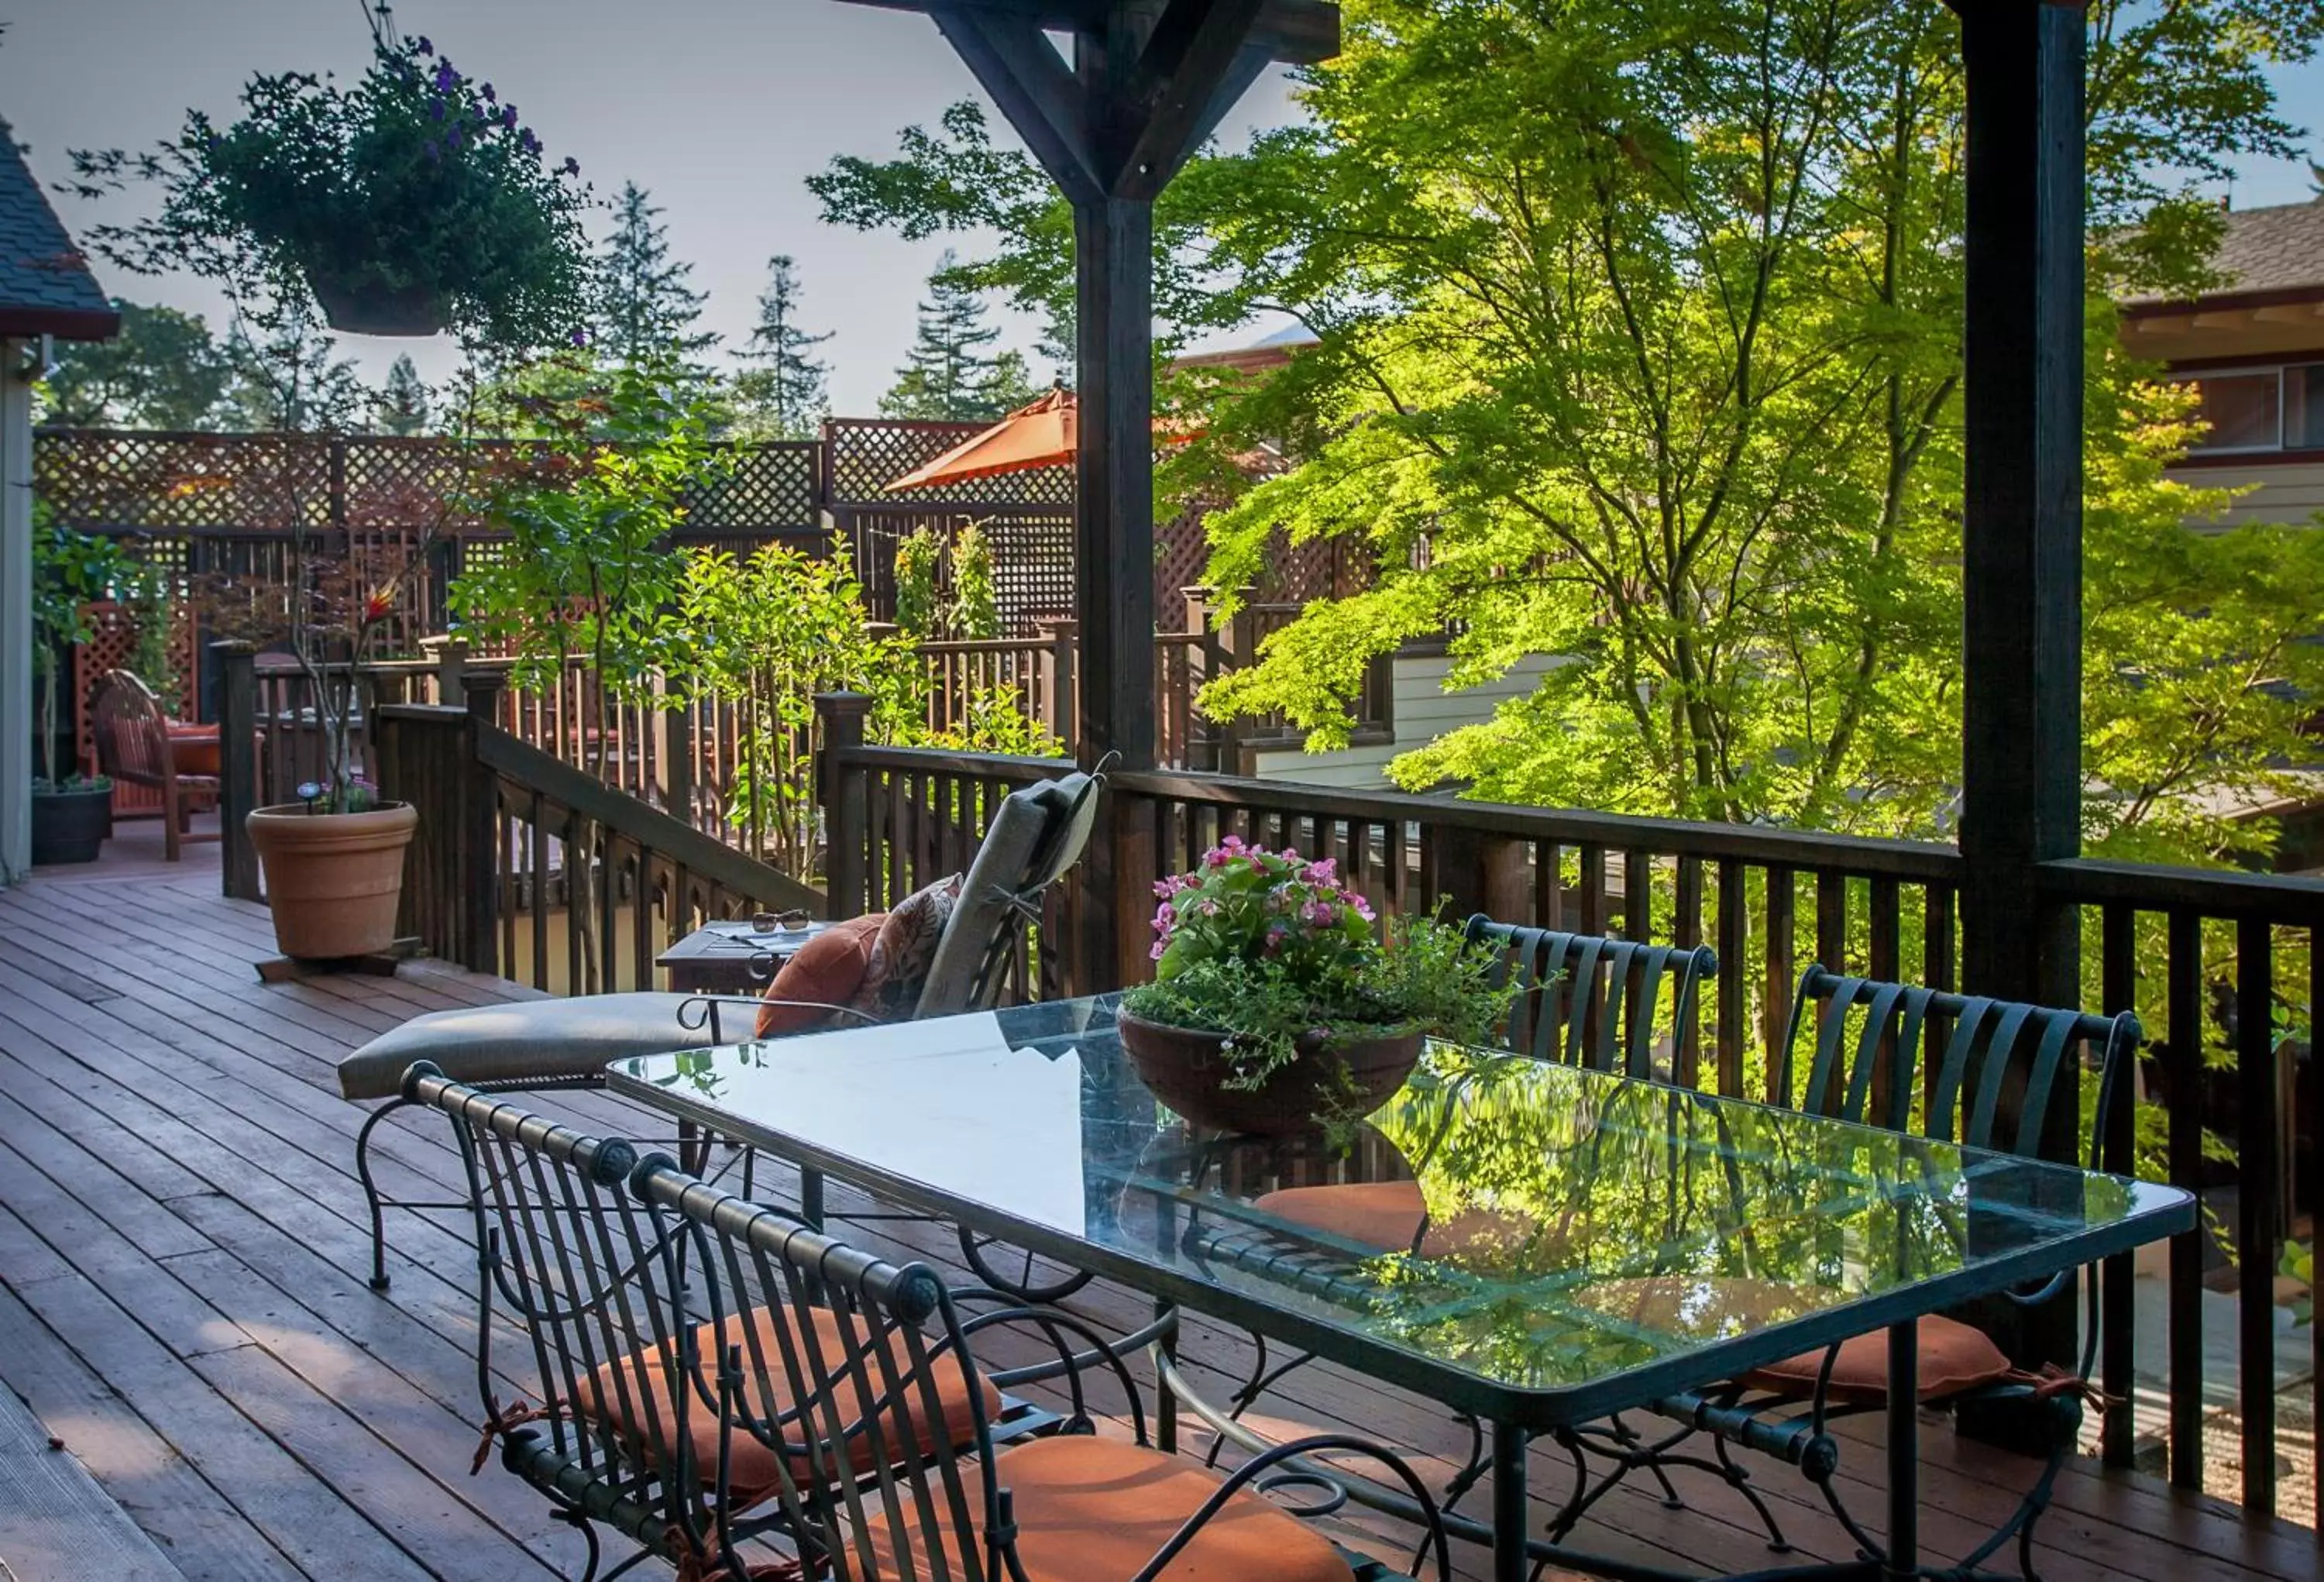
[1653,1220]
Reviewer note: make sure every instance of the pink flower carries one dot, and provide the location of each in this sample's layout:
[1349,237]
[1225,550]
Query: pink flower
[1156,954]
[1323,871]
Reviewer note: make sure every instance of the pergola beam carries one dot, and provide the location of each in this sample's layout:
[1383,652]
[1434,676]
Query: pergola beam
[1296,33]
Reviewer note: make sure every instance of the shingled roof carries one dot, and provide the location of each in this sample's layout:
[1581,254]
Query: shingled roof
[45,285]
[2267,254]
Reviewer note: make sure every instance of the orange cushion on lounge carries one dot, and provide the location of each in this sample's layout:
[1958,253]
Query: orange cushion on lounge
[754,1476]
[1092,1510]
[826,970]
[1953,1357]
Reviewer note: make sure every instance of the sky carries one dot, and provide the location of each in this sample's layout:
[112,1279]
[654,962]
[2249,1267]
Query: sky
[720,108]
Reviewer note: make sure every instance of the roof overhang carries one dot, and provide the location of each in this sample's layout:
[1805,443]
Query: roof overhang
[64,323]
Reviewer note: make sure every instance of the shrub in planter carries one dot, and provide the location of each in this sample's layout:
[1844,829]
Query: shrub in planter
[414,200]
[71,814]
[1277,1006]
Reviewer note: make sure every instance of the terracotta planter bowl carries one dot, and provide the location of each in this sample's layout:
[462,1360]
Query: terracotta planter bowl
[333,880]
[1182,1066]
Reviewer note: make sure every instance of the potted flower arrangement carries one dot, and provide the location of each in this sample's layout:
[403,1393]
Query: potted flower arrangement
[1277,1006]
[72,813]
[414,200]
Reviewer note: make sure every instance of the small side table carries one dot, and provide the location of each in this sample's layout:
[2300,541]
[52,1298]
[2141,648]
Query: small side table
[715,959]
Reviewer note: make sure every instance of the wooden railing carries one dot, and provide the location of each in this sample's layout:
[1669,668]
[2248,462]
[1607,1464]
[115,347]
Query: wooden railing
[532,869]
[2217,965]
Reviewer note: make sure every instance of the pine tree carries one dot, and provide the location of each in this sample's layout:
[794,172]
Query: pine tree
[401,405]
[286,377]
[781,396]
[644,305]
[947,374]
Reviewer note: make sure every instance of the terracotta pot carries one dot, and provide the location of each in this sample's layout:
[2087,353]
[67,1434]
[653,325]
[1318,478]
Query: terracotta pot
[367,309]
[1186,1069]
[332,879]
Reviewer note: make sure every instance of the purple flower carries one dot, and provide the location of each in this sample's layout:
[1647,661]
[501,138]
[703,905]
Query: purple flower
[572,167]
[580,337]
[1324,872]
[435,109]
[487,92]
[508,116]
[431,150]
[528,141]
[447,80]
[423,46]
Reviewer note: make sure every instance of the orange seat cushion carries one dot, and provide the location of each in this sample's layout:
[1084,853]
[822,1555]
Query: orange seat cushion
[1953,1357]
[826,970]
[754,1476]
[1092,1510]
[1391,1214]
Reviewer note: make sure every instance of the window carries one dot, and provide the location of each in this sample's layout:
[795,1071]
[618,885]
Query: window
[2261,409]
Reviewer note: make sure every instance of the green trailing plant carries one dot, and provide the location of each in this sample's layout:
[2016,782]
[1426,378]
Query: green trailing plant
[417,184]
[918,603]
[975,601]
[1269,949]
[70,571]
[762,637]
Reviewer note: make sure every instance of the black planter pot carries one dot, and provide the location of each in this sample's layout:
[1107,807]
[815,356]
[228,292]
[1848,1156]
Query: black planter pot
[365,309]
[70,826]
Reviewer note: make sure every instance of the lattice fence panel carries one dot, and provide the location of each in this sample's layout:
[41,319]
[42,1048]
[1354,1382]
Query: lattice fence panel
[112,480]
[866,453]
[775,487]
[1032,559]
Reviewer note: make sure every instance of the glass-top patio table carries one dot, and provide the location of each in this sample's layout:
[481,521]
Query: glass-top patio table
[1591,1244]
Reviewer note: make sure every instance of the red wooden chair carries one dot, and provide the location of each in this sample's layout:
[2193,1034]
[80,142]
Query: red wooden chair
[138,744]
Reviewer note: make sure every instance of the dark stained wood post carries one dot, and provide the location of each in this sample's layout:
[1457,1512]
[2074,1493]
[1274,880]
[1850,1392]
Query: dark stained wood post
[2021,638]
[479,866]
[846,819]
[1150,81]
[237,765]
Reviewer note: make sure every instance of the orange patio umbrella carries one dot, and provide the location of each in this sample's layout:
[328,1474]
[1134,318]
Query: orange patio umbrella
[1044,434]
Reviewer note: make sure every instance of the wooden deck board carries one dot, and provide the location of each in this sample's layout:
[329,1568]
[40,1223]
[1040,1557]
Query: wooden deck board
[183,1250]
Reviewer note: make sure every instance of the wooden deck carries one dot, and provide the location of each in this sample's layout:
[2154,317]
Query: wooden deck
[182,1302]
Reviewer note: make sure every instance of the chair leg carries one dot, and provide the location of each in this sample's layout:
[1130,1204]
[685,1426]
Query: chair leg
[371,1189]
[173,813]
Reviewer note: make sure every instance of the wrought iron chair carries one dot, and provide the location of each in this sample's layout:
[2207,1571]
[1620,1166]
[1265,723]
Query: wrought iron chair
[1954,1067]
[138,745]
[1037,834]
[1580,999]
[747,1398]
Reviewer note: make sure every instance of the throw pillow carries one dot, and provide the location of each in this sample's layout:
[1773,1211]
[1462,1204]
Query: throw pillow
[905,946]
[827,970]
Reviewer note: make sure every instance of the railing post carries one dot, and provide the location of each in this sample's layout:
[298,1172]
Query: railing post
[237,765]
[846,811]
[451,657]
[1062,634]
[479,867]
[1480,872]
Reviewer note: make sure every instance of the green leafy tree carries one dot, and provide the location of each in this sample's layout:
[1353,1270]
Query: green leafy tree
[165,370]
[976,600]
[1664,378]
[644,308]
[70,571]
[948,375]
[402,404]
[781,395]
[918,611]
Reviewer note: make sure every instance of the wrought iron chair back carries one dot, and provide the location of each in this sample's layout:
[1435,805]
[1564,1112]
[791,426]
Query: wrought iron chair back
[1973,1068]
[1590,999]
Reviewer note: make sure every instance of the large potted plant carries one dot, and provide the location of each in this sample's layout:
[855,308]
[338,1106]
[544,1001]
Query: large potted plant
[1280,1005]
[414,200]
[72,813]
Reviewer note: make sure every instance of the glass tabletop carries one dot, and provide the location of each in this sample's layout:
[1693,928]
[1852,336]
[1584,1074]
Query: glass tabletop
[1536,1242]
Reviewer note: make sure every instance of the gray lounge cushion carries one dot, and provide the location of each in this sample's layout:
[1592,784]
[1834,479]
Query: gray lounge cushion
[1037,834]
[537,1038]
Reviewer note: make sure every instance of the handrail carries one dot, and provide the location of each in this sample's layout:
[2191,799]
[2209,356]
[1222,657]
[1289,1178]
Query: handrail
[2283,898]
[627,816]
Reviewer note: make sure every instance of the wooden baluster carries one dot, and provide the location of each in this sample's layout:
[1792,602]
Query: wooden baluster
[2118,991]
[1832,919]
[1687,933]
[2257,1114]
[2184,1083]
[1775,997]
[1733,947]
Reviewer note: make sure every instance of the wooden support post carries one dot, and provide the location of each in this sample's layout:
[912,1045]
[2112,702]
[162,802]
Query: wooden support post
[846,813]
[1478,872]
[2022,415]
[237,766]
[450,655]
[479,865]
[1062,636]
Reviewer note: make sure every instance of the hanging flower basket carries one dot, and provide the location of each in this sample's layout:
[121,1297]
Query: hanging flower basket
[375,310]
[411,202]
